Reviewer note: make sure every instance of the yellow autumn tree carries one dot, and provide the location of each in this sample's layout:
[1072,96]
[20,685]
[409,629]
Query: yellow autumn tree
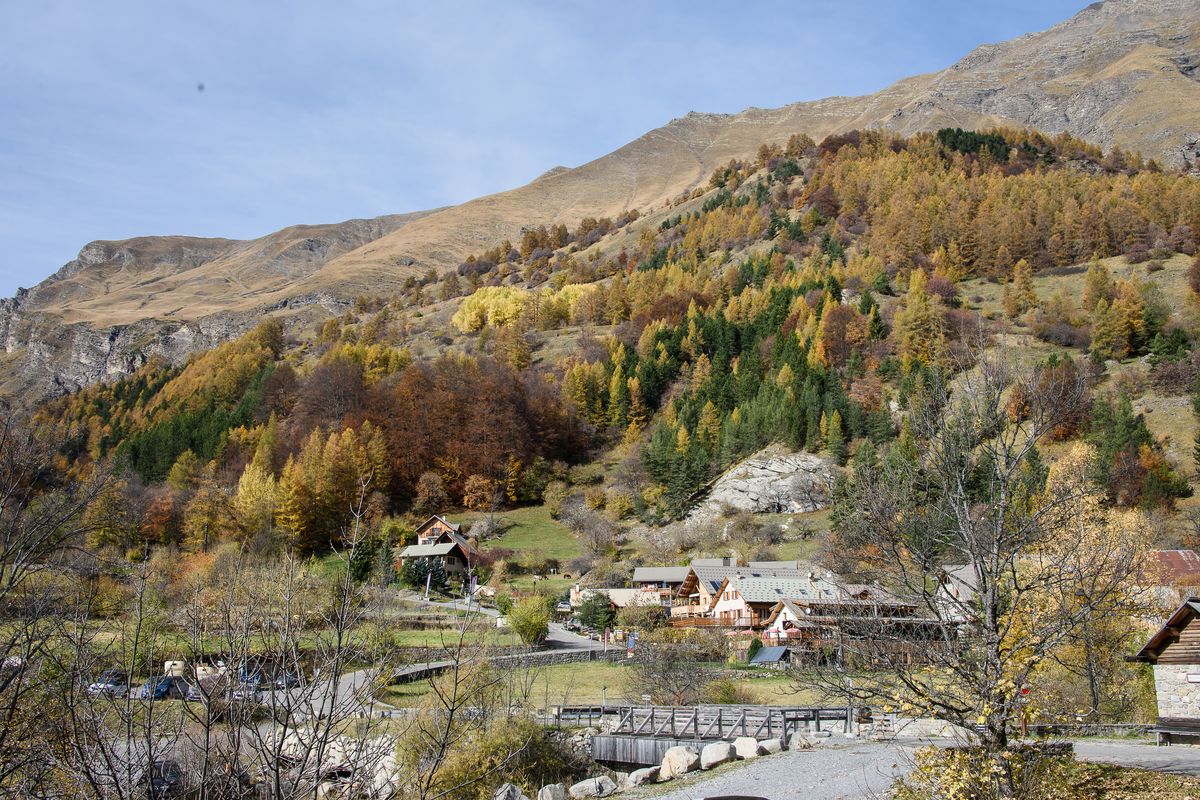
[918,329]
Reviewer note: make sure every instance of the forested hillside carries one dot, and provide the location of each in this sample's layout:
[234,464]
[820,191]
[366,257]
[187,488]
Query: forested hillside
[802,297]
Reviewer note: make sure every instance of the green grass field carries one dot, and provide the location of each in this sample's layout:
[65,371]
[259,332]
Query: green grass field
[591,682]
[532,533]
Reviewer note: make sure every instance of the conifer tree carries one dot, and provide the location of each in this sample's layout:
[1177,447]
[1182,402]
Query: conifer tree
[1022,283]
[918,332]
[835,440]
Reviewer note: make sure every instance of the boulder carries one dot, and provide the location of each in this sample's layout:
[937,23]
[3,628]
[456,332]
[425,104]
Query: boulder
[600,786]
[555,791]
[509,792]
[746,747]
[716,754]
[771,745]
[640,777]
[678,760]
[801,741]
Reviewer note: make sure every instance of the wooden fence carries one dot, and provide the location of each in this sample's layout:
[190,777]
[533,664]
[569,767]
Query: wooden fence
[728,722]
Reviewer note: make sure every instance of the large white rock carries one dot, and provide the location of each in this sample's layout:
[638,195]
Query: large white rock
[715,754]
[509,792]
[772,481]
[640,777]
[554,791]
[678,760]
[746,747]
[771,745]
[801,741]
[600,786]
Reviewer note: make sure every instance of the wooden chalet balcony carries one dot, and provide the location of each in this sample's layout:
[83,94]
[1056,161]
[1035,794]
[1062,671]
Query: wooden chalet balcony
[712,622]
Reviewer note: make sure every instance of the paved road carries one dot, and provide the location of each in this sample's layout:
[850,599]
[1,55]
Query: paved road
[862,770]
[830,772]
[559,636]
[1131,753]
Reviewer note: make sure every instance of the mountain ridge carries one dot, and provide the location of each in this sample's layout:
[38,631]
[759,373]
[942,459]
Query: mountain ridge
[1118,73]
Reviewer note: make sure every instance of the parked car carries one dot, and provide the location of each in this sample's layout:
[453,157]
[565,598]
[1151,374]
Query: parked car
[164,779]
[207,689]
[110,683]
[287,680]
[164,687]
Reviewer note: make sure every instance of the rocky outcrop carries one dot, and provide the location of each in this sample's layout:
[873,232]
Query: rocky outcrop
[553,791]
[55,358]
[772,481]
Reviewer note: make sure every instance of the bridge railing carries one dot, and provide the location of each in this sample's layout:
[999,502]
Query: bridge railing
[727,722]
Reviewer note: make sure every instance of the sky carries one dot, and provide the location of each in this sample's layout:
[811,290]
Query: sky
[235,119]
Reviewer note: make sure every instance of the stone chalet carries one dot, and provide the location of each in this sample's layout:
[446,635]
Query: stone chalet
[440,540]
[1174,652]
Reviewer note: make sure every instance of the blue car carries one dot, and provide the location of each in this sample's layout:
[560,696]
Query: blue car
[164,687]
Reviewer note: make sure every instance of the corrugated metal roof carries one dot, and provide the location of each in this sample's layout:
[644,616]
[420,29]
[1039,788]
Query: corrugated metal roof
[769,655]
[427,550]
[657,574]
[1172,567]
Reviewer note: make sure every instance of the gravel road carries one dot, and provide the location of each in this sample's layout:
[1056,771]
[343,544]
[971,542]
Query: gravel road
[862,770]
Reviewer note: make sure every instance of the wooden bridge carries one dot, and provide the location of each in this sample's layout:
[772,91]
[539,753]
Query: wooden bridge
[728,722]
[642,734]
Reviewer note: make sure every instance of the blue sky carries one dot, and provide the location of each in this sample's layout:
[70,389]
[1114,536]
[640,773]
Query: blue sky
[318,112]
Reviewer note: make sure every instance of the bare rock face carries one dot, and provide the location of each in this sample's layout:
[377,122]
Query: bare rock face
[772,481]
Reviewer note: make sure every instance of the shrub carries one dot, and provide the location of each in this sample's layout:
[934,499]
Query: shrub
[554,495]
[530,620]
[972,773]
[618,503]
[727,691]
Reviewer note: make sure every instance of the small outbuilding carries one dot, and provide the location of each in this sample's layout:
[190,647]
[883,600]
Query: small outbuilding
[776,657]
[1174,652]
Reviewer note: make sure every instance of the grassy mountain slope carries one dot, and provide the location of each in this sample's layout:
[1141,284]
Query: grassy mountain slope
[1122,72]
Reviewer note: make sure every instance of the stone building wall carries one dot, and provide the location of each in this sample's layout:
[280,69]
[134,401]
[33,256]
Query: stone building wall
[1176,696]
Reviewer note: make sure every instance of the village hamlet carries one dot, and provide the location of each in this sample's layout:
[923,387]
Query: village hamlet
[554,401]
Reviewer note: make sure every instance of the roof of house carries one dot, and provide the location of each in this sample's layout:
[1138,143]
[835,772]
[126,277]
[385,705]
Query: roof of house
[454,526]
[772,590]
[770,655]
[428,550]
[1168,634]
[622,598]
[713,577]
[1173,567]
[660,574]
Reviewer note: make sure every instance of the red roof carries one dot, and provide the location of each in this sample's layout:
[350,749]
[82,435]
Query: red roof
[1175,567]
